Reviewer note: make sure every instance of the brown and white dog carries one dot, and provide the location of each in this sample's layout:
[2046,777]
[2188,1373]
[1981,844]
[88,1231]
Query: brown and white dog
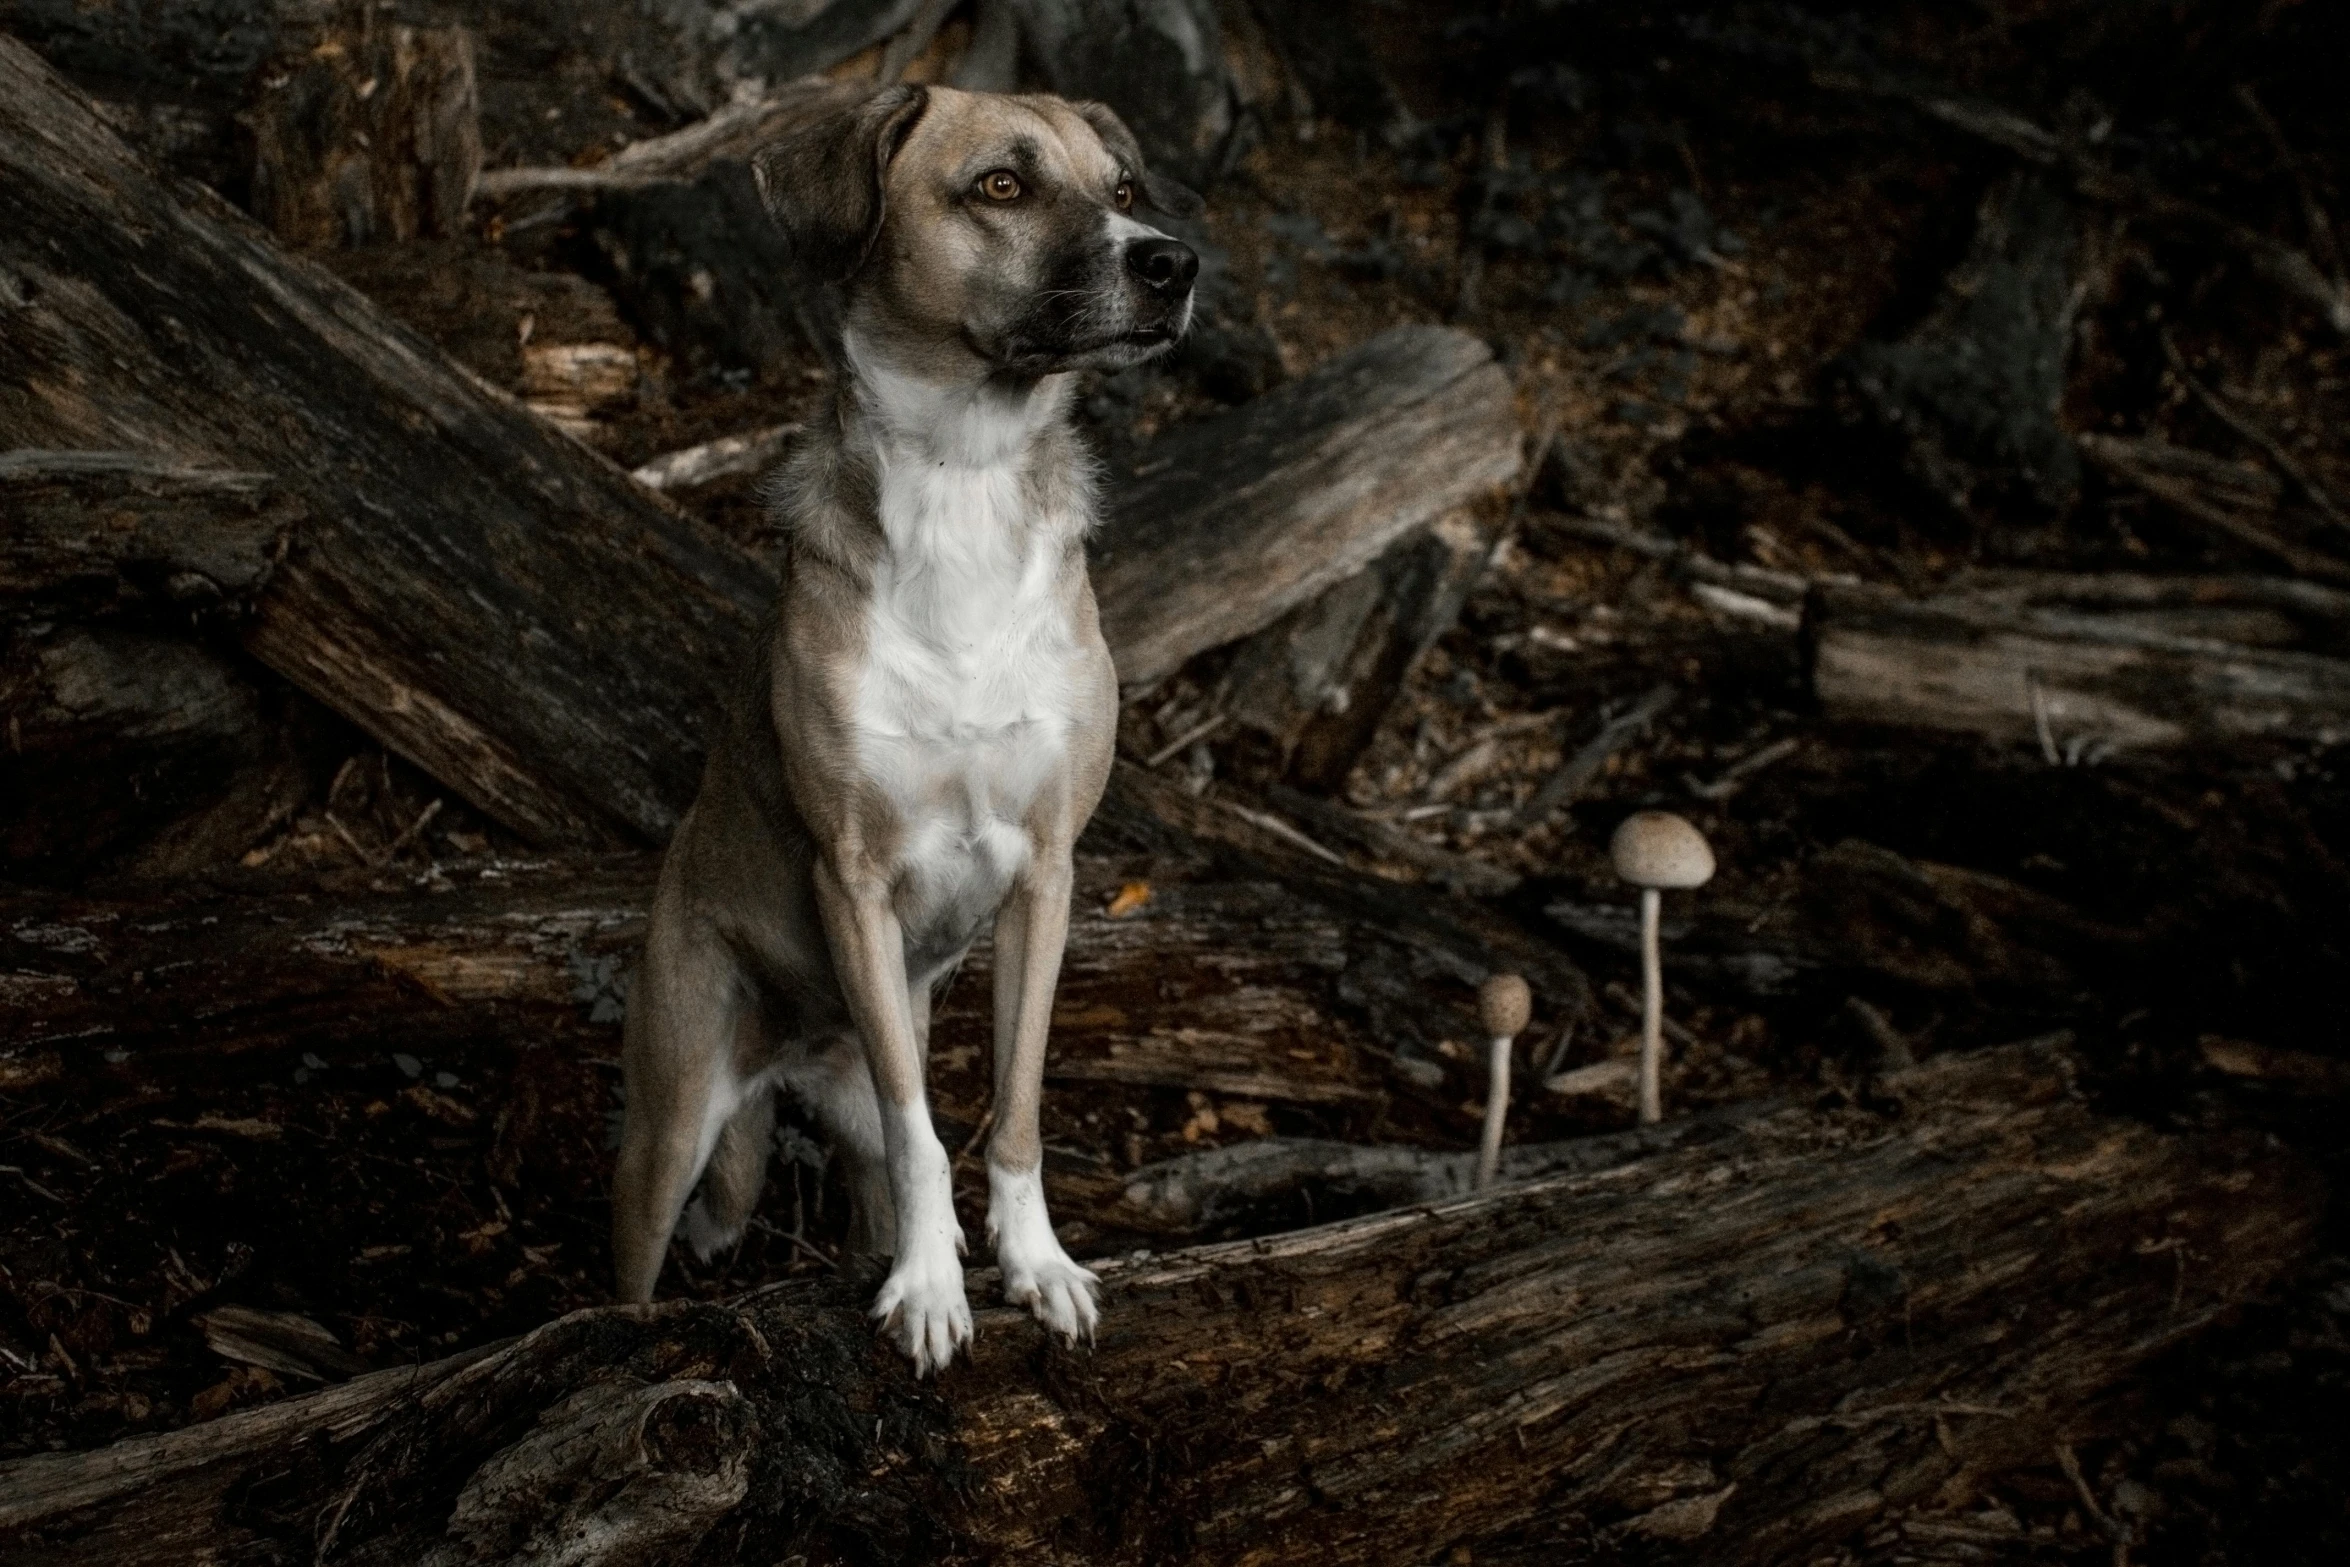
[928,724]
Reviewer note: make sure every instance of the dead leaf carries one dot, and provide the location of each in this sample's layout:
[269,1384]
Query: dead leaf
[1130,898]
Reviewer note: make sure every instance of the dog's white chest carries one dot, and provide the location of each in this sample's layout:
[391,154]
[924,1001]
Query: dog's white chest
[965,695]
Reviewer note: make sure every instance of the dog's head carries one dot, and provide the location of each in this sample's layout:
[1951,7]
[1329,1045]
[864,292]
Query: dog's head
[1009,229]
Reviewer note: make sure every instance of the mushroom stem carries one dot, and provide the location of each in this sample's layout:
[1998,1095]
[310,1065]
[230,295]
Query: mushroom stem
[1497,1109]
[1652,1009]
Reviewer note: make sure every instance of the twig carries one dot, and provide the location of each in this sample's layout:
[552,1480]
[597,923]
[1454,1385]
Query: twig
[2113,455]
[1282,830]
[349,842]
[36,1186]
[408,833]
[1561,788]
[2120,1534]
[1196,732]
[2300,477]
[2313,213]
[1744,769]
[977,1133]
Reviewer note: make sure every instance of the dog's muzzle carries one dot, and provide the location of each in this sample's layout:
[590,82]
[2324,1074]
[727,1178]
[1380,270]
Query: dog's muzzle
[1166,267]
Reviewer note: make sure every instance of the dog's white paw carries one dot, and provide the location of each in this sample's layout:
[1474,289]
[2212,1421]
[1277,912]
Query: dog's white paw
[1037,1273]
[704,1234]
[1064,1295]
[922,1309]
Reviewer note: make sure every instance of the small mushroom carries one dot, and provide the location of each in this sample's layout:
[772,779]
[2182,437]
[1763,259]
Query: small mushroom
[1503,1006]
[1656,850]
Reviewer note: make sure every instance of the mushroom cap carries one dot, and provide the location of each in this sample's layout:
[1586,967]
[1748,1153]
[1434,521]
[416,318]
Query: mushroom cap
[1659,849]
[1504,1005]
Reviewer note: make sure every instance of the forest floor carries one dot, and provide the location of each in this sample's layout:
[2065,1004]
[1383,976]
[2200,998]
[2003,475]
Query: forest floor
[418,1205]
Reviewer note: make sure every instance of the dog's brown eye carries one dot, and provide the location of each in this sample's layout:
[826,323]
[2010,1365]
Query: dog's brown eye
[1124,195]
[1002,185]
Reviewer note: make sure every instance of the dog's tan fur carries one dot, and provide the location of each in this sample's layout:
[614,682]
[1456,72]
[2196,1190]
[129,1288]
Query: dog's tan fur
[855,827]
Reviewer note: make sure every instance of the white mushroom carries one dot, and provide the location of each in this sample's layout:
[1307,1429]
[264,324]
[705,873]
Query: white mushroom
[1503,1006]
[1655,850]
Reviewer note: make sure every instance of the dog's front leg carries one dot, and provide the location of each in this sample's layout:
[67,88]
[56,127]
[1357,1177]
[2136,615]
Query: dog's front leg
[921,1303]
[1031,930]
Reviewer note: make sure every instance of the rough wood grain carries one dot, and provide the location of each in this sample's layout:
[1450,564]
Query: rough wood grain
[87,534]
[366,133]
[477,591]
[1762,1341]
[1236,520]
[2082,664]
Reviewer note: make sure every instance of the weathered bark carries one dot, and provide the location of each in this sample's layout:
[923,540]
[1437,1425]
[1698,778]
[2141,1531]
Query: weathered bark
[367,133]
[1317,682]
[1233,521]
[87,534]
[472,588]
[2083,664]
[1763,1340]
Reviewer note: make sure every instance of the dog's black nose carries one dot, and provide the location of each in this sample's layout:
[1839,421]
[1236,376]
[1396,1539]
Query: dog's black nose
[1165,266]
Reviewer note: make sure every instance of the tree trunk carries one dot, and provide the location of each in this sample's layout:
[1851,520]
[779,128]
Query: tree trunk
[2090,665]
[1231,522]
[476,591]
[1751,1346]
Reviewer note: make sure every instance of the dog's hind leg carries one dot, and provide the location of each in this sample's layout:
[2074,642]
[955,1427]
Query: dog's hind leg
[676,1061]
[834,1082]
[732,1180]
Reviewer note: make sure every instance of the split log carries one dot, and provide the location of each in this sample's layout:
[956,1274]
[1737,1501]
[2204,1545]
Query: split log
[1317,682]
[2089,665]
[1766,1339]
[1231,522]
[476,591]
[96,534]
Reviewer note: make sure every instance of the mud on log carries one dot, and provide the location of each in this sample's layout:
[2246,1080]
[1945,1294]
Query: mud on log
[1764,1340]
[478,592]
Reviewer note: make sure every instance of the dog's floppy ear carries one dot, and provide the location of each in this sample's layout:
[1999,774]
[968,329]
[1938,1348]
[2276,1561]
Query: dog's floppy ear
[823,182]
[1169,196]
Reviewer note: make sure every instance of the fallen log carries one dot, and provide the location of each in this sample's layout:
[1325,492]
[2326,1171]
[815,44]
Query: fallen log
[93,534]
[2086,666]
[473,589]
[1231,987]
[1766,1340]
[1231,522]
[1317,682]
